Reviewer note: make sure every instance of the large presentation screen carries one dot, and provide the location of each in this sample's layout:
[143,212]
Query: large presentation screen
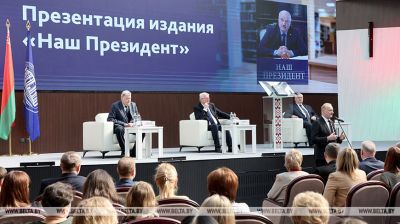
[143,45]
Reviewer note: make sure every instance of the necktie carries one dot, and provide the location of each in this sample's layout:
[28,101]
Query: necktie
[305,111]
[211,117]
[283,39]
[331,126]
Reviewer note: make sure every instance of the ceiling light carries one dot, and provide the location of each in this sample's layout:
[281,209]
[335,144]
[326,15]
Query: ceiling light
[330,4]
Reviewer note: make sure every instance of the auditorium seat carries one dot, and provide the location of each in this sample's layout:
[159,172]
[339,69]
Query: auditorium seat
[375,175]
[99,136]
[155,220]
[310,182]
[293,131]
[21,218]
[394,201]
[122,193]
[251,218]
[195,133]
[177,203]
[369,194]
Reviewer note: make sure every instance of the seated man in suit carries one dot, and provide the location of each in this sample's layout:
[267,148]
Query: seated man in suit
[330,154]
[122,113]
[208,111]
[303,111]
[70,165]
[126,169]
[282,40]
[369,163]
[323,132]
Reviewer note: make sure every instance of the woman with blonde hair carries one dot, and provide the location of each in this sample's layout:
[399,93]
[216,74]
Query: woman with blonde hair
[15,190]
[141,195]
[346,176]
[167,181]
[216,201]
[95,210]
[312,203]
[293,160]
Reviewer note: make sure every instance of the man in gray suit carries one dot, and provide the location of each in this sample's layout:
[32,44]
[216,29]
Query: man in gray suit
[122,113]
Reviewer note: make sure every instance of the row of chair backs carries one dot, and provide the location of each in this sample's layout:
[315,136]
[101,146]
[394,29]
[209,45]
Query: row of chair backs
[375,175]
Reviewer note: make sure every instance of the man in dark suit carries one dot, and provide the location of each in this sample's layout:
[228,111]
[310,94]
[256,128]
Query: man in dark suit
[122,113]
[323,132]
[330,154]
[208,111]
[126,169]
[369,163]
[282,40]
[70,165]
[304,111]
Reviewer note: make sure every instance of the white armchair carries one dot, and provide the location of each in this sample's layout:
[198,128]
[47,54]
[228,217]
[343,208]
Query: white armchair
[293,131]
[99,136]
[195,133]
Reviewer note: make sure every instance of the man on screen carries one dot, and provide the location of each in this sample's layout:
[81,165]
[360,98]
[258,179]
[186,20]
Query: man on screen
[122,113]
[281,40]
[323,132]
[303,111]
[208,111]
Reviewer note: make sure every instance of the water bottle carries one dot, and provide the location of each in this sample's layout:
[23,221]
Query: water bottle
[134,119]
[236,120]
[139,120]
[231,118]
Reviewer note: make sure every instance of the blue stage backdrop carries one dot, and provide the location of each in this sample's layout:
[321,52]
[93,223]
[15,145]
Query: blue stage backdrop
[143,45]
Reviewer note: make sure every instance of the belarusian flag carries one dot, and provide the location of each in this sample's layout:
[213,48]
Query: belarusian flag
[7,114]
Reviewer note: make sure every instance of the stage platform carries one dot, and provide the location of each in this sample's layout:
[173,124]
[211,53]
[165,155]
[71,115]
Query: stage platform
[256,171]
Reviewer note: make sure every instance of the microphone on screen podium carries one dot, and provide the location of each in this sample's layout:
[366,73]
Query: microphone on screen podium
[338,119]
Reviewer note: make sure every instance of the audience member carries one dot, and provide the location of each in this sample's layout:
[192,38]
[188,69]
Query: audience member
[209,112]
[391,174]
[141,195]
[225,213]
[167,181]
[369,163]
[15,190]
[3,173]
[126,169]
[56,201]
[303,111]
[351,221]
[293,160]
[70,165]
[346,176]
[324,132]
[312,203]
[330,154]
[224,181]
[100,183]
[98,210]
[203,219]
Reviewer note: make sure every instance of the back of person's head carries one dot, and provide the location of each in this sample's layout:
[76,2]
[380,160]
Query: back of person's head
[204,219]
[100,183]
[3,173]
[98,210]
[141,194]
[368,148]
[293,160]
[347,161]
[223,181]
[312,203]
[216,201]
[332,149]
[166,179]
[126,167]
[57,195]
[15,189]
[392,161]
[70,162]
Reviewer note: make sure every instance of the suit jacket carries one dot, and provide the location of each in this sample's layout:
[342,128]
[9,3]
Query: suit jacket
[339,184]
[324,171]
[124,183]
[371,164]
[294,109]
[68,178]
[201,114]
[282,180]
[118,115]
[271,41]
[319,133]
